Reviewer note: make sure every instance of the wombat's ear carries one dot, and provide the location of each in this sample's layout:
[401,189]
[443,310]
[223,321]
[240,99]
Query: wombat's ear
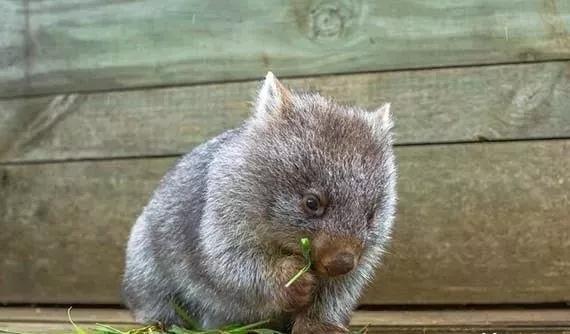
[272,97]
[383,119]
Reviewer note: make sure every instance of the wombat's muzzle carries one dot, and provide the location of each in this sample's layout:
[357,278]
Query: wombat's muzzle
[335,256]
[341,264]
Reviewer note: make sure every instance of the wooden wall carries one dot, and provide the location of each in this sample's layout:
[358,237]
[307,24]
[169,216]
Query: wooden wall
[98,98]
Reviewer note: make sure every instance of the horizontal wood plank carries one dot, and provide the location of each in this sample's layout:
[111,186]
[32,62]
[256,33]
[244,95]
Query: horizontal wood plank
[445,105]
[59,314]
[62,328]
[448,317]
[13,38]
[454,317]
[477,223]
[54,320]
[92,45]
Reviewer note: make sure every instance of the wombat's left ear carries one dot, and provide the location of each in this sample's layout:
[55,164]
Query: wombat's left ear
[272,97]
[383,117]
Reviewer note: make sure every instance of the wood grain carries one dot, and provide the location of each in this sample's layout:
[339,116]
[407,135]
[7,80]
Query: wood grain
[464,317]
[444,105]
[54,320]
[59,314]
[92,45]
[477,223]
[59,328]
[448,317]
[13,38]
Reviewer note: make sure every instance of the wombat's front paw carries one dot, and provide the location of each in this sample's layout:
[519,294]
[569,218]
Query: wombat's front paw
[304,326]
[299,294]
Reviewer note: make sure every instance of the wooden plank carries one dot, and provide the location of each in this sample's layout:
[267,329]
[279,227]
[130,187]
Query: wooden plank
[420,318]
[13,34]
[477,223]
[458,318]
[62,328]
[46,320]
[467,329]
[36,327]
[100,45]
[445,105]
[549,321]
[59,314]
[14,327]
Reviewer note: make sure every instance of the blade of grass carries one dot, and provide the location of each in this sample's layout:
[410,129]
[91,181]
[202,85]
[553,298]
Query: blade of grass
[106,329]
[297,275]
[189,322]
[250,326]
[363,330]
[179,330]
[78,330]
[306,250]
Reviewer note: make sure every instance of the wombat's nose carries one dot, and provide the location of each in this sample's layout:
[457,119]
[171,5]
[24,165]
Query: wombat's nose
[341,264]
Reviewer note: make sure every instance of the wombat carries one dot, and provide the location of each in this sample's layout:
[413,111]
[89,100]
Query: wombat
[220,235]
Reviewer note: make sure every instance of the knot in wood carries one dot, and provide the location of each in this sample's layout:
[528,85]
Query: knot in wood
[330,20]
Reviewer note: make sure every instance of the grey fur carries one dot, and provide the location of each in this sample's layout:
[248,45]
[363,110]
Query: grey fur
[208,235]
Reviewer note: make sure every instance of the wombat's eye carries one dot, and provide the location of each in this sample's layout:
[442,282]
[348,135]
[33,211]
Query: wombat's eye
[311,202]
[313,205]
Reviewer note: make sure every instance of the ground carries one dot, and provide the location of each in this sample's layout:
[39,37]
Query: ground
[488,321]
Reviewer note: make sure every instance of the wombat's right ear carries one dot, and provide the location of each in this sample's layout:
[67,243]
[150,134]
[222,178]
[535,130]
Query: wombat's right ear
[384,118]
[381,120]
[272,97]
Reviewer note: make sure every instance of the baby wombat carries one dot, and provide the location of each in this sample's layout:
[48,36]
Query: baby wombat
[221,233]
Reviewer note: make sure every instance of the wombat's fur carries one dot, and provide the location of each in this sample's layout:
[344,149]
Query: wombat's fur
[221,233]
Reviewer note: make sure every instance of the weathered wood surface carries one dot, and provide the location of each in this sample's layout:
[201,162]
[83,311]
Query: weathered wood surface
[12,42]
[449,317]
[91,45]
[444,105]
[66,328]
[455,317]
[45,320]
[477,223]
[59,314]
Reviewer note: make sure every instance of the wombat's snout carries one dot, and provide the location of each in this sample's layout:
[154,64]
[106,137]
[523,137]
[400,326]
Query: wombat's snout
[335,255]
[342,263]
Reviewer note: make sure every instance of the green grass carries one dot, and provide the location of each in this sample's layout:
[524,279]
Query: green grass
[306,250]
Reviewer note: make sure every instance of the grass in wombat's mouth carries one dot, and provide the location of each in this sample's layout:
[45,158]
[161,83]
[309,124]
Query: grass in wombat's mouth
[190,325]
[306,250]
